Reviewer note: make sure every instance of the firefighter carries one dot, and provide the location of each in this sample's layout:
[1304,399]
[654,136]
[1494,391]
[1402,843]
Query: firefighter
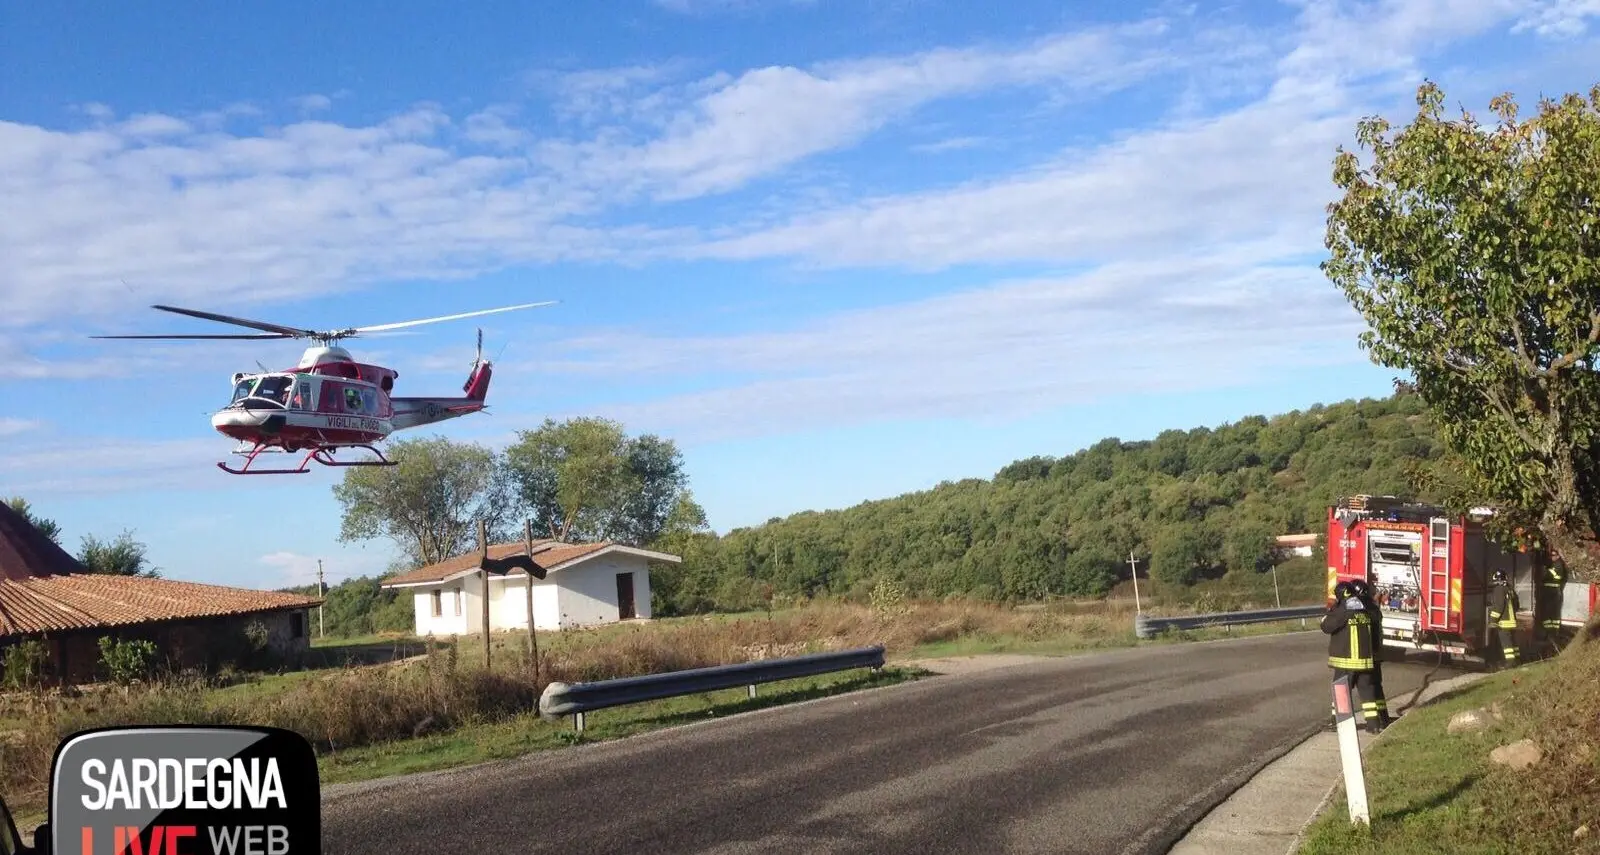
[1380,703]
[1349,629]
[1547,600]
[1503,611]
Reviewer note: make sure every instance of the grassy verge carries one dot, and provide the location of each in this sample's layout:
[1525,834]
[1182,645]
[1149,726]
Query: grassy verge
[1433,791]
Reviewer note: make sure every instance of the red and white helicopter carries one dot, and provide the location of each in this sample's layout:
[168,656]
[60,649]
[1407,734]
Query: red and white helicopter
[328,401]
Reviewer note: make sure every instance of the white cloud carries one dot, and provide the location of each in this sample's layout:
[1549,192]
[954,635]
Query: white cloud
[1006,350]
[295,569]
[1560,18]
[769,118]
[313,103]
[214,214]
[57,466]
[11,425]
[705,7]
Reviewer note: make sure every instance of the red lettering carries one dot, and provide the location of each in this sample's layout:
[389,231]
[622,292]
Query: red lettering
[88,841]
[120,840]
[136,841]
[174,832]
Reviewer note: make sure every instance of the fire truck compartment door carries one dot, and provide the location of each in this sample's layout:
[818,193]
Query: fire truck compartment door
[1575,602]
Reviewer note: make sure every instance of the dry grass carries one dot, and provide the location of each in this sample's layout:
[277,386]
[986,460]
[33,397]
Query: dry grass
[342,708]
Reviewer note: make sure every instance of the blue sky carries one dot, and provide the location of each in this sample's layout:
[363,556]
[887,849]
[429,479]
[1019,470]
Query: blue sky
[836,250]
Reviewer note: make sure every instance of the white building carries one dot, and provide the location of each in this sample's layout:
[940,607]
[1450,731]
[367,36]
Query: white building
[1302,545]
[584,584]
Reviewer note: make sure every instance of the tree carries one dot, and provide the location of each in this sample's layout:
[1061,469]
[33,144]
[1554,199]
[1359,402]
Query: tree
[122,556]
[48,528]
[1474,256]
[430,502]
[586,479]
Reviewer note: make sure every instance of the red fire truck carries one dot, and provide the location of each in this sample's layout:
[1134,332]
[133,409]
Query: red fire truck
[1431,573]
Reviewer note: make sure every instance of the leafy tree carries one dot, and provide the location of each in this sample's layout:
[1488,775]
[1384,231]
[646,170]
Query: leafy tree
[122,556]
[1474,255]
[586,479]
[431,501]
[46,527]
[1249,546]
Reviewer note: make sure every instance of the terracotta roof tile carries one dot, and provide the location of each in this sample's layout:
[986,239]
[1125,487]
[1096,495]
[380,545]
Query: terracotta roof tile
[552,555]
[88,600]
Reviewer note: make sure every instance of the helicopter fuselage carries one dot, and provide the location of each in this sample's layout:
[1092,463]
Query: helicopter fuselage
[332,401]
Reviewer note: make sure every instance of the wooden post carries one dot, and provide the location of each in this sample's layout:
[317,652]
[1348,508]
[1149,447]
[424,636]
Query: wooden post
[533,636]
[483,573]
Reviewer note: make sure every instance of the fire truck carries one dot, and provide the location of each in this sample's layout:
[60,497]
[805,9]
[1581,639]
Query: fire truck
[1431,574]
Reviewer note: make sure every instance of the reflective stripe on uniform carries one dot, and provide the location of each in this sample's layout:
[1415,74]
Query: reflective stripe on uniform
[1350,664]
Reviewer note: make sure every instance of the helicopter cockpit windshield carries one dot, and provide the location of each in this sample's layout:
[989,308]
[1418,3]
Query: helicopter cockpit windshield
[273,388]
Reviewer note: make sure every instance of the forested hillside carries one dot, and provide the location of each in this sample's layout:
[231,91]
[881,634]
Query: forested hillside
[1193,504]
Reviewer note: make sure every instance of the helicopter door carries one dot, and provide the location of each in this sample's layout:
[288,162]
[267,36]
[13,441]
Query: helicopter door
[303,399]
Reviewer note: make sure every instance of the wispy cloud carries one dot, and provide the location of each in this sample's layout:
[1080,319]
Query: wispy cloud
[707,7]
[294,569]
[11,425]
[314,206]
[1010,349]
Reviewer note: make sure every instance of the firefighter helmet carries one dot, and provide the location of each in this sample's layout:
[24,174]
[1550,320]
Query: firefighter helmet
[1343,591]
[1499,577]
[1360,588]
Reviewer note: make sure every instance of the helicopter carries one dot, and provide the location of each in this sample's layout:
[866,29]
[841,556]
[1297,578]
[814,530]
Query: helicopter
[327,401]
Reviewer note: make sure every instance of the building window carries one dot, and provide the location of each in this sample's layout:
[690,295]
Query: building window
[458,602]
[438,603]
[297,625]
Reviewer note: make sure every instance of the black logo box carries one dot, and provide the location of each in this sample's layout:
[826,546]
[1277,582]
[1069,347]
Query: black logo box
[91,817]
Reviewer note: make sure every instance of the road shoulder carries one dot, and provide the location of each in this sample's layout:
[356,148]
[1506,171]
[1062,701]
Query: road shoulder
[1268,815]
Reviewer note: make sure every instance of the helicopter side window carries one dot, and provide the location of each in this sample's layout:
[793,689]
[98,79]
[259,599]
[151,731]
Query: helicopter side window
[242,390]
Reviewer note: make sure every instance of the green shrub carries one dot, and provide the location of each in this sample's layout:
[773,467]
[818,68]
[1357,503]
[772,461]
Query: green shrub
[24,664]
[127,661]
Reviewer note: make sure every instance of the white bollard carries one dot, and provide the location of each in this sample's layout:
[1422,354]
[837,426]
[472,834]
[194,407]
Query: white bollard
[1355,780]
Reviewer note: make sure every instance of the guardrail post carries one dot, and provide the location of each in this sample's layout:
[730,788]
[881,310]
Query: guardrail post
[752,688]
[577,721]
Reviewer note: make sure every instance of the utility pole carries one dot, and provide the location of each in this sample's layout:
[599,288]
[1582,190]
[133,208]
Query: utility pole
[322,591]
[1133,565]
[533,637]
[483,573]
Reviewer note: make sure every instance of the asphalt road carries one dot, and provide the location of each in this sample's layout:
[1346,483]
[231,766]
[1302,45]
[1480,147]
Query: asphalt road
[1111,753]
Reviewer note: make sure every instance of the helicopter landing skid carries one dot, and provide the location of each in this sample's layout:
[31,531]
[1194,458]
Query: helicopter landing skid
[320,455]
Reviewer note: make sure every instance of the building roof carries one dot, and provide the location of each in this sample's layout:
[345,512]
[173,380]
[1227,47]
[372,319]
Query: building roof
[44,589]
[550,554]
[26,553]
[95,600]
[1287,540]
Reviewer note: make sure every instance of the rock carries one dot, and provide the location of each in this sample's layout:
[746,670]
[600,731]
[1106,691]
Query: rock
[1580,832]
[1468,721]
[1494,710]
[1518,755]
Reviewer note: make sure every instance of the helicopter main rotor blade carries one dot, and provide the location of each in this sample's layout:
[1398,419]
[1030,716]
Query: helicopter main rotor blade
[289,332]
[251,336]
[450,317]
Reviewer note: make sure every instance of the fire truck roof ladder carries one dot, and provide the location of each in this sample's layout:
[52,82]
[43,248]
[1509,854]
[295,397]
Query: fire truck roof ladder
[1438,564]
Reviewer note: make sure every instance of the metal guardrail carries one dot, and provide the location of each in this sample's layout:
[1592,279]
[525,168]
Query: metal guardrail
[1146,626]
[576,699]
